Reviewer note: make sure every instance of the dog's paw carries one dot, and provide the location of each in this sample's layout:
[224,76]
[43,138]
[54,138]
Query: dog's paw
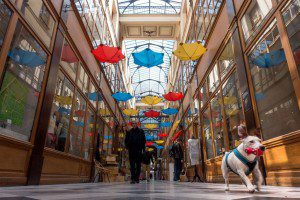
[251,189]
[258,187]
[226,188]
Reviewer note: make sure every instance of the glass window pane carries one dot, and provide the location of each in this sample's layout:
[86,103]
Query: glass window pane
[254,16]
[217,123]
[233,108]
[69,60]
[39,17]
[207,134]
[213,79]
[21,85]
[58,128]
[77,126]
[226,59]
[93,95]
[89,134]
[274,92]
[5,14]
[83,79]
[291,19]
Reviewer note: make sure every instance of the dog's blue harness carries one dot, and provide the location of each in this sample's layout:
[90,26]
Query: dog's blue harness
[244,160]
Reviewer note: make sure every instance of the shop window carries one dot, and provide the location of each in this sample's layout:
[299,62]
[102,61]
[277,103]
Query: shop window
[274,92]
[255,15]
[207,134]
[76,134]
[226,59]
[233,109]
[83,79]
[69,60]
[21,85]
[39,17]
[213,79]
[89,134]
[291,19]
[5,14]
[58,128]
[94,95]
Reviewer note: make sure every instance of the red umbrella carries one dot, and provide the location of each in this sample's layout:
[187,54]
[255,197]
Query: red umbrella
[173,96]
[162,135]
[68,54]
[79,113]
[152,113]
[177,135]
[108,54]
[148,144]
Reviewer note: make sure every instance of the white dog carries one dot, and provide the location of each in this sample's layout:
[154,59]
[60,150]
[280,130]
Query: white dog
[243,161]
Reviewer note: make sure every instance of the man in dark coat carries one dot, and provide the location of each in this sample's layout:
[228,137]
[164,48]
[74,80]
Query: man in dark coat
[135,142]
[177,154]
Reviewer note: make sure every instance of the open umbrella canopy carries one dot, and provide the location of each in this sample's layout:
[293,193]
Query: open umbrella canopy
[152,113]
[173,96]
[104,111]
[68,54]
[149,144]
[150,149]
[150,126]
[26,58]
[105,53]
[271,59]
[107,137]
[122,96]
[177,135]
[151,100]
[79,113]
[130,111]
[148,58]
[170,111]
[191,51]
[159,142]
[149,137]
[162,135]
[166,124]
[94,96]
[160,147]
[63,110]
[63,100]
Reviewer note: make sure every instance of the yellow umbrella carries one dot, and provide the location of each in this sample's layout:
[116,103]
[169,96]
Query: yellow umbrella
[151,100]
[159,141]
[91,125]
[149,149]
[104,111]
[120,149]
[121,135]
[228,100]
[105,141]
[232,112]
[176,123]
[191,51]
[130,111]
[150,126]
[64,100]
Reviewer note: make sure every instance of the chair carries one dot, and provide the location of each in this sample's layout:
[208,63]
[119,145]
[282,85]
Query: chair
[101,171]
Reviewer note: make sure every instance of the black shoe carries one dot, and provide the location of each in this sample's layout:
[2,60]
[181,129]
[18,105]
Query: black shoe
[137,181]
[132,182]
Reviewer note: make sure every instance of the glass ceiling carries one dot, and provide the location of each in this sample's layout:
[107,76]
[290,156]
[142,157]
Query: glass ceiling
[149,6]
[150,81]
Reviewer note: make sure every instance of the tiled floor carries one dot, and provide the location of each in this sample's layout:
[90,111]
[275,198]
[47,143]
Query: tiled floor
[153,190]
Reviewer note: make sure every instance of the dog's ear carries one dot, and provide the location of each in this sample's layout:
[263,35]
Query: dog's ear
[242,131]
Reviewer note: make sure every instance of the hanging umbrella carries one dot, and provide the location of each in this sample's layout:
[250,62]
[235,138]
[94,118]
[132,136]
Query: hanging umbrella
[79,113]
[148,58]
[228,100]
[152,113]
[108,54]
[173,96]
[149,149]
[151,100]
[162,135]
[104,111]
[159,142]
[160,147]
[191,51]
[63,100]
[149,137]
[166,124]
[130,111]
[176,123]
[120,149]
[177,135]
[26,58]
[78,123]
[170,111]
[122,96]
[271,59]
[150,126]
[94,96]
[149,144]
[68,54]
[63,110]
[107,137]
[259,96]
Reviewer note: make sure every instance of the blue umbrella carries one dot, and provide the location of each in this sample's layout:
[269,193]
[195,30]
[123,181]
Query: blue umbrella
[160,147]
[122,96]
[166,124]
[190,113]
[77,123]
[27,58]
[63,110]
[148,58]
[170,111]
[107,137]
[272,59]
[259,96]
[94,96]
[149,137]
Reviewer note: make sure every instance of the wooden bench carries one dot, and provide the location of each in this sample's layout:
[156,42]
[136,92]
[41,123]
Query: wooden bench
[101,171]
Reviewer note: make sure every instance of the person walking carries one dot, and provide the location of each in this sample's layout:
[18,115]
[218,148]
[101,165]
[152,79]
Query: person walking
[148,158]
[194,154]
[177,154]
[135,142]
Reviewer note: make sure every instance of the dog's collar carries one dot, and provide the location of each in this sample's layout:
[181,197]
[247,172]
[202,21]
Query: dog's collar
[245,161]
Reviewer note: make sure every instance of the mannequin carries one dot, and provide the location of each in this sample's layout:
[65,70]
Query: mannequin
[194,154]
